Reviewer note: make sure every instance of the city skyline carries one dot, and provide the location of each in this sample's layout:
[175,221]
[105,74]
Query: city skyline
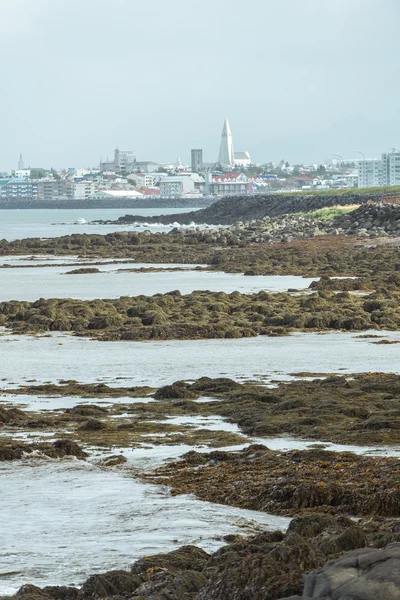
[301,80]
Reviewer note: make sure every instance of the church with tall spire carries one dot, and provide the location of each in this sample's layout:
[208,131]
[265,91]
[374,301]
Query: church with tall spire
[227,158]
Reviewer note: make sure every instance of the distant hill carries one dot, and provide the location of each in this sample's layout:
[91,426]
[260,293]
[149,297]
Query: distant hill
[244,208]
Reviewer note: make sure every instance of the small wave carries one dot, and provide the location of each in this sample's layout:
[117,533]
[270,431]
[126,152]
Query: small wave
[39,455]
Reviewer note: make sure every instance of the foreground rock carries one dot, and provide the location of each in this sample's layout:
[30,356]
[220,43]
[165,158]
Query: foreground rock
[266,567]
[365,574]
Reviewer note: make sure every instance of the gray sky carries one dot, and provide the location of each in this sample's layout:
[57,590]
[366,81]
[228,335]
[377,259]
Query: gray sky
[298,79]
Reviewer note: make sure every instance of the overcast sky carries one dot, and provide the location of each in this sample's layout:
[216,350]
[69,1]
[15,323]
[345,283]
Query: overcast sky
[298,79]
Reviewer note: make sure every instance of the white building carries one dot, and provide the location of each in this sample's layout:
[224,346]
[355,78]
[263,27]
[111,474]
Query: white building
[392,161]
[371,173]
[22,173]
[242,159]
[129,194]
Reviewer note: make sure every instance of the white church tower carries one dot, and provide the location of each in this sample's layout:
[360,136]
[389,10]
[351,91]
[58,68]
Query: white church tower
[226,156]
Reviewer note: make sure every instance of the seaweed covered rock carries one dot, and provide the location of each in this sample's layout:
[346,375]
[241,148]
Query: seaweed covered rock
[176,575]
[207,385]
[112,583]
[186,557]
[58,449]
[93,425]
[174,391]
[12,415]
[87,410]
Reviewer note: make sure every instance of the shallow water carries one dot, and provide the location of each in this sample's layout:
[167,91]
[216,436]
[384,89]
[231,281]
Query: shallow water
[96,520]
[18,224]
[32,283]
[56,357]
[39,403]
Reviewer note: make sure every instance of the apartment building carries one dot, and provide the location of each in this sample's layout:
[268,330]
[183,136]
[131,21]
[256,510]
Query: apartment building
[15,187]
[81,190]
[51,189]
[185,183]
[379,172]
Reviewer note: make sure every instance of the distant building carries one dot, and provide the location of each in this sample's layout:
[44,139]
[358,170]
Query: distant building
[178,185]
[197,161]
[14,187]
[145,166]
[242,159]
[231,184]
[371,173]
[81,190]
[20,163]
[380,172]
[122,163]
[227,158]
[150,191]
[51,189]
[22,173]
[142,179]
[119,194]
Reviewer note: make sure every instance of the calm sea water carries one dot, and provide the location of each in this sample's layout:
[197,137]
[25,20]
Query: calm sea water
[63,356]
[52,282]
[18,224]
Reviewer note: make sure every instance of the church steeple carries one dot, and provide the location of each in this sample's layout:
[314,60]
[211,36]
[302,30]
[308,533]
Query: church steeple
[226,156]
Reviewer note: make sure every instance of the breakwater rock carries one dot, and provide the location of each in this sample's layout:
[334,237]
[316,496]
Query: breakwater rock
[231,209]
[370,220]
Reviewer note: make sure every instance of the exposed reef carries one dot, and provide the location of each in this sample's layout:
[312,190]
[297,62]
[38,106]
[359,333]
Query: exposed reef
[206,315]
[288,483]
[354,409]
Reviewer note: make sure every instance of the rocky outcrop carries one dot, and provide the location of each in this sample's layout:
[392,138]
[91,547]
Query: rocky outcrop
[363,574]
